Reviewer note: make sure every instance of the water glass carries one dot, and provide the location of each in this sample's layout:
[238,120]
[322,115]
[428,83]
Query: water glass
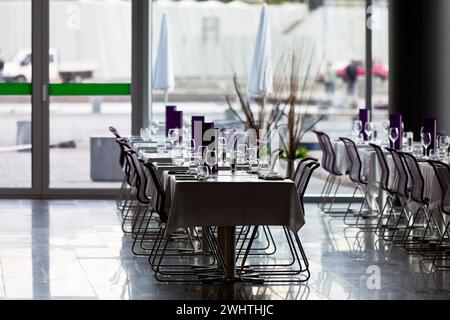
[409,140]
[174,135]
[434,154]
[222,145]
[161,148]
[211,159]
[145,134]
[264,167]
[252,159]
[202,173]
[177,156]
[444,142]
[417,151]
[357,128]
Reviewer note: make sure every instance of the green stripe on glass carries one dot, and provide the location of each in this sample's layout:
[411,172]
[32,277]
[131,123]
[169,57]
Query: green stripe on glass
[90,89]
[15,89]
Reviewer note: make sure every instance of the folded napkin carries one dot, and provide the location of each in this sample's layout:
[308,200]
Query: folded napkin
[274,177]
[186,177]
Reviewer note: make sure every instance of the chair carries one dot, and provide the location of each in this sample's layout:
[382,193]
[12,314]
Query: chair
[442,252]
[115,132]
[298,265]
[402,193]
[355,175]
[334,175]
[168,252]
[391,194]
[413,240]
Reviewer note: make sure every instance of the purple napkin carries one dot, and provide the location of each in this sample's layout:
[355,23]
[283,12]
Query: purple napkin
[364,117]
[170,118]
[197,130]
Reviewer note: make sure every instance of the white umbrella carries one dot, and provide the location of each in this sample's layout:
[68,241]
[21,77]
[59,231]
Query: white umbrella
[260,80]
[163,78]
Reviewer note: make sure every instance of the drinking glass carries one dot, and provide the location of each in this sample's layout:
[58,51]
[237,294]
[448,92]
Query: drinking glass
[177,156]
[145,134]
[264,167]
[393,135]
[174,135]
[252,159]
[202,172]
[201,150]
[409,140]
[368,128]
[434,154]
[154,126]
[425,138]
[417,151]
[444,142]
[222,144]
[357,127]
[161,148]
[211,160]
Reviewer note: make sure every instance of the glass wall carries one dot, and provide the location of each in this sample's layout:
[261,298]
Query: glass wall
[15,94]
[91,44]
[212,41]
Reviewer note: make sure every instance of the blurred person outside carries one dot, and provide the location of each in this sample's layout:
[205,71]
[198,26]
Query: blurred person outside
[351,73]
[2,65]
[330,79]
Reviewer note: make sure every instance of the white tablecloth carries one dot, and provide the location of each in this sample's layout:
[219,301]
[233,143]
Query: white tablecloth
[232,200]
[371,169]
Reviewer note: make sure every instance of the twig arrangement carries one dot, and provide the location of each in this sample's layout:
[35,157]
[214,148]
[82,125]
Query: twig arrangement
[294,83]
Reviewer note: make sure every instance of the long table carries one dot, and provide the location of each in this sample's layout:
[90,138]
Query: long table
[233,199]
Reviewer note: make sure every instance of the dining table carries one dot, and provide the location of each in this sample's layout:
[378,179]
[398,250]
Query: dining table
[227,200]
[230,200]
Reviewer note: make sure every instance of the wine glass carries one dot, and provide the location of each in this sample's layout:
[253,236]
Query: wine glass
[211,160]
[393,136]
[425,138]
[174,136]
[368,128]
[357,127]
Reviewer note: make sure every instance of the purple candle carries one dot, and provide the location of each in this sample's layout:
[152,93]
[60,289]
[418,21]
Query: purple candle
[197,130]
[170,118]
[396,121]
[364,117]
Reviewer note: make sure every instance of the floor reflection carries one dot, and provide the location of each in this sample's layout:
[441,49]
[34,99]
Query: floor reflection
[63,249]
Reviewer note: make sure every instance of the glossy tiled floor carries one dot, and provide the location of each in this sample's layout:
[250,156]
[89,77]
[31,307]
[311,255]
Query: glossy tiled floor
[76,250]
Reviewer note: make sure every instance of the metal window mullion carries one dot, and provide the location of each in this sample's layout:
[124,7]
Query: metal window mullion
[40,106]
[139,65]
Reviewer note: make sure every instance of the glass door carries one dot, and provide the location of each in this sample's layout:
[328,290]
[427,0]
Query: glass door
[89,90]
[15,97]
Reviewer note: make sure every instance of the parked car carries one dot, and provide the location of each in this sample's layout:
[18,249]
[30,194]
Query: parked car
[19,68]
[379,70]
